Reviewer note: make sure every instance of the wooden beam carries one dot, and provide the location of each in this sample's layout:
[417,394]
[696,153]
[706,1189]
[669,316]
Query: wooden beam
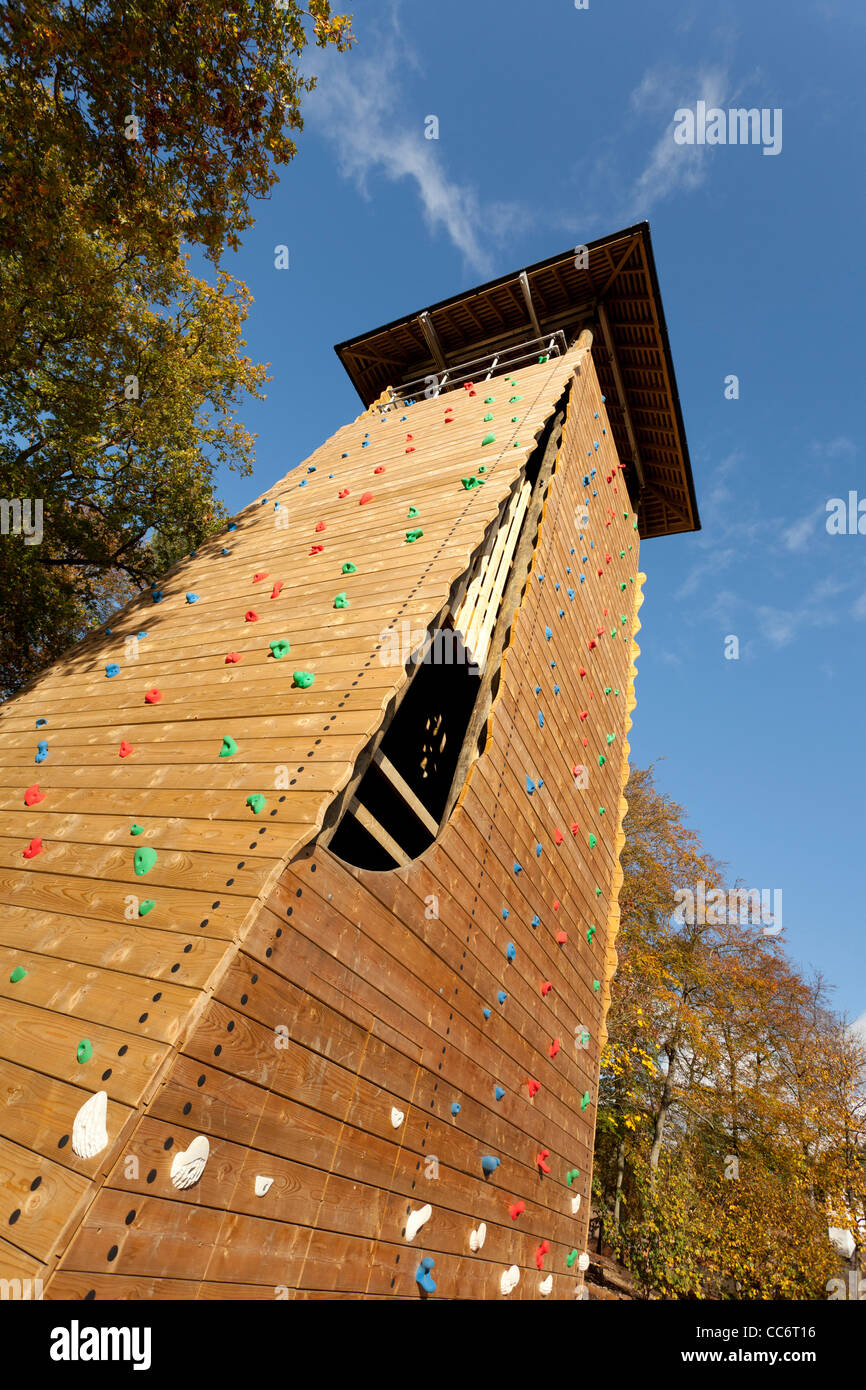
[379,833]
[530,307]
[620,391]
[405,792]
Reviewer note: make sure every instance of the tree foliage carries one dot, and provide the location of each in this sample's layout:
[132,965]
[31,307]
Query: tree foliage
[732,1106]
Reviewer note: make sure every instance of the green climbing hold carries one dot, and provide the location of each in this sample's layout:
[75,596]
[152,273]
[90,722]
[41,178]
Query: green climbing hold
[229,747]
[590,933]
[349,568]
[84,1051]
[593,840]
[571,1175]
[483,468]
[601,760]
[340,601]
[607,690]
[279,649]
[596,984]
[471,482]
[570,1259]
[145,858]
[413,536]
[17,974]
[256,802]
[147,906]
[512,399]
[413,511]
[544,358]
[489,439]
[136,830]
[601,810]
[514,419]
[586,1100]
[304,679]
[611,737]
[488,417]
[488,400]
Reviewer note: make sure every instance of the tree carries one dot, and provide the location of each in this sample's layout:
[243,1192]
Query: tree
[129,131]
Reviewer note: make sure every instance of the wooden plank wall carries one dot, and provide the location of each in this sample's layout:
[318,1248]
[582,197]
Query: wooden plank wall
[134,985]
[357,994]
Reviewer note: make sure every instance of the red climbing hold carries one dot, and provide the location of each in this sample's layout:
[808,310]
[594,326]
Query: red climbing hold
[410,436]
[556,904]
[380,469]
[546,987]
[582,671]
[365,497]
[34,848]
[251,616]
[599,631]
[449,419]
[533,1087]
[541,1159]
[276,589]
[316,549]
[558,837]
[556,1044]
[125,748]
[259,576]
[152,697]
[344,492]
[542,1250]
[320,525]
[592,643]
[232,657]
[411,449]
[584,714]
[607,559]
[516,1209]
[33,795]
[561,938]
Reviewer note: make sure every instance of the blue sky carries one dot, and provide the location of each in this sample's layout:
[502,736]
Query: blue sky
[555,127]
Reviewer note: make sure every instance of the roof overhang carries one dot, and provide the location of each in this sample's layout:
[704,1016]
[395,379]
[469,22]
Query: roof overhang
[616,294]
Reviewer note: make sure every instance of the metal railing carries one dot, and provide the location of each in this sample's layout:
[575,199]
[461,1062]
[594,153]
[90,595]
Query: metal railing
[476,370]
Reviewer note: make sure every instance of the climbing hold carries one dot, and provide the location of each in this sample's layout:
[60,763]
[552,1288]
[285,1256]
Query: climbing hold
[349,568]
[365,497]
[156,595]
[112,670]
[518,868]
[188,1165]
[413,536]
[546,1286]
[558,836]
[257,803]
[229,747]
[136,829]
[381,467]
[590,933]
[320,526]
[571,1175]
[498,1092]
[340,601]
[417,1219]
[585,1100]
[471,482]
[486,1013]
[344,492]
[540,720]
[596,985]
[601,760]
[516,1209]
[34,848]
[455,1108]
[510,950]
[487,418]
[251,616]
[536,920]
[412,512]
[144,860]
[423,1277]
[570,1258]
[509,1281]
[191,598]
[146,906]
[316,549]
[538,851]
[489,439]
[489,1164]
[275,591]
[279,648]
[84,1050]
[501,996]
[33,795]
[530,785]
[533,1088]
[541,1160]
[505,913]
[540,1253]
[40,723]
[546,987]
[477,1236]
[303,679]
[41,751]
[593,840]
[232,658]
[554,1047]
[89,1130]
[397,1117]
[583,1262]
[17,974]
[548,632]
[152,697]
[262,1184]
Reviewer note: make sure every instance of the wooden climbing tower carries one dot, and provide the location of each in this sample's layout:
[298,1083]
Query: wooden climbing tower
[310,858]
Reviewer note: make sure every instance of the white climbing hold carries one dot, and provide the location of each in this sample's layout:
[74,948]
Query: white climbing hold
[583,1261]
[510,1279]
[545,1286]
[187,1167]
[397,1117]
[478,1237]
[575,1204]
[89,1132]
[263,1185]
[417,1219]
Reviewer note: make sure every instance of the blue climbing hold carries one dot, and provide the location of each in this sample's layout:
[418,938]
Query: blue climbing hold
[540,720]
[530,785]
[156,595]
[511,950]
[518,868]
[556,690]
[112,670]
[232,526]
[502,996]
[548,632]
[41,751]
[40,723]
[489,1164]
[455,1108]
[486,1013]
[225,551]
[423,1277]
[505,911]
[192,598]
[538,851]
[536,921]
[498,1092]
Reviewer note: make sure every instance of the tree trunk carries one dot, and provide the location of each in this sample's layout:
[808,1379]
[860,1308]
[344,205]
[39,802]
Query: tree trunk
[620,1173]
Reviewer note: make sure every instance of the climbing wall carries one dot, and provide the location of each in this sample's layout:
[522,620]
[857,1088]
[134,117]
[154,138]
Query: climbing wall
[231,1065]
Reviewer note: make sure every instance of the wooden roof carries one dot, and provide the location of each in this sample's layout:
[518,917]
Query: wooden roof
[617,295]
[135,985]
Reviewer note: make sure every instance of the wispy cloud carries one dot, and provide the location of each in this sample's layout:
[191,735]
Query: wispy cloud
[858,1028]
[673,168]
[797,536]
[358,106]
